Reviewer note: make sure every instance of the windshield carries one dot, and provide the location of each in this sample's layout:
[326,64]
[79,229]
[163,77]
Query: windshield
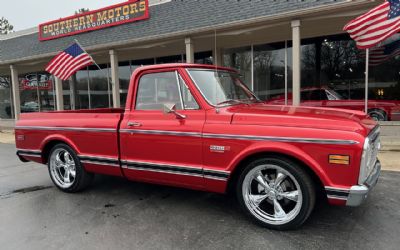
[221,87]
[333,95]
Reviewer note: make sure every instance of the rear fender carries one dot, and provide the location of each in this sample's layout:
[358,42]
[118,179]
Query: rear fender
[57,137]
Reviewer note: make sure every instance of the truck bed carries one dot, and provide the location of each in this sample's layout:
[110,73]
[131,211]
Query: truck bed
[89,132]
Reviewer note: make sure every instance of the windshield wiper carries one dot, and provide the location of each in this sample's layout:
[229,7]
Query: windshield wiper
[229,101]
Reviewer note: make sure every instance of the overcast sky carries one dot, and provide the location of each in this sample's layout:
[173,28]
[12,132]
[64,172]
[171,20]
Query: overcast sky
[24,14]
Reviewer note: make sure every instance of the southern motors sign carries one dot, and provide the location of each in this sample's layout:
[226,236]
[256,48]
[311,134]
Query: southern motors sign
[129,11]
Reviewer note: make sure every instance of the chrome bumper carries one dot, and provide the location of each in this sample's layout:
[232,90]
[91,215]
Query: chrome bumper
[358,193]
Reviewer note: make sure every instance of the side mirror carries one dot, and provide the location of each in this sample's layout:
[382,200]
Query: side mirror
[170,108]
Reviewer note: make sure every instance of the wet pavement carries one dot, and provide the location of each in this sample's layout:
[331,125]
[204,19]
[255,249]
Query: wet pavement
[116,214]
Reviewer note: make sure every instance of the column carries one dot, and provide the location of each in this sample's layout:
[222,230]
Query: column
[296,39]
[217,56]
[73,92]
[15,91]
[115,79]
[189,50]
[59,93]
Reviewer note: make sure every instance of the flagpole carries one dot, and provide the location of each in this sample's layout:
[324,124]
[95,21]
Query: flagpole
[106,75]
[366,79]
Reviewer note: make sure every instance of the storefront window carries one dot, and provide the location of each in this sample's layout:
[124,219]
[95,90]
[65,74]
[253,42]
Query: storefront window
[205,57]
[240,59]
[170,59]
[384,82]
[37,92]
[270,61]
[6,111]
[100,87]
[80,82]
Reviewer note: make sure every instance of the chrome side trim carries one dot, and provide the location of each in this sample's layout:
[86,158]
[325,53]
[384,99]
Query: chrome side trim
[164,171]
[176,169]
[241,137]
[280,139]
[337,197]
[99,163]
[347,190]
[97,157]
[30,150]
[160,132]
[67,129]
[29,155]
[104,161]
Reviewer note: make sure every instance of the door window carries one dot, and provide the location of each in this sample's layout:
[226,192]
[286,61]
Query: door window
[167,88]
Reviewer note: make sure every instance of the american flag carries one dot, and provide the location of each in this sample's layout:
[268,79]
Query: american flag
[376,25]
[381,54]
[69,61]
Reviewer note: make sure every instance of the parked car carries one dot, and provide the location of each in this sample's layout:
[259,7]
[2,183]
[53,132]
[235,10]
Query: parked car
[30,107]
[379,110]
[200,127]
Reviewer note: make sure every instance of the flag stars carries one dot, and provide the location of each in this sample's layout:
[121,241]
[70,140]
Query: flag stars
[394,8]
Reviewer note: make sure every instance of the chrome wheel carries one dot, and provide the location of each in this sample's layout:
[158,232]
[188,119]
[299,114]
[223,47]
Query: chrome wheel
[62,168]
[272,194]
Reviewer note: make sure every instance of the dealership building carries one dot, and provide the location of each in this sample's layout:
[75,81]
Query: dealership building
[287,50]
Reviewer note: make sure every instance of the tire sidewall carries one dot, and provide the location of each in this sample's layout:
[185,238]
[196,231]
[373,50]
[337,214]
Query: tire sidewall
[78,168]
[304,181]
[378,112]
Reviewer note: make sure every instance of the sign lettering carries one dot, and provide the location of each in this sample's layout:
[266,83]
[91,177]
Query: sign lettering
[126,12]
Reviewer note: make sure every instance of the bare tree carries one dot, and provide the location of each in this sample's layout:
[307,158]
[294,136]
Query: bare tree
[81,10]
[5,26]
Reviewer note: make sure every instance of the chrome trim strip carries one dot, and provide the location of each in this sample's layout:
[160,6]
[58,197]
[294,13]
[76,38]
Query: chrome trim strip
[104,161]
[241,137]
[215,178]
[99,163]
[176,169]
[29,155]
[160,164]
[337,197]
[67,129]
[280,139]
[337,189]
[30,150]
[164,171]
[160,132]
[98,157]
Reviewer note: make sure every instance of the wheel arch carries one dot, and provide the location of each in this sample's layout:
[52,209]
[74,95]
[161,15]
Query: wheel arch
[305,161]
[53,140]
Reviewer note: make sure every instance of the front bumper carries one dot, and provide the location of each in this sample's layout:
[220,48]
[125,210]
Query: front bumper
[358,193]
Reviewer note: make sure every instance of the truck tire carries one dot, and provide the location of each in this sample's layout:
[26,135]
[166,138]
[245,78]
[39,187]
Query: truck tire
[66,171]
[276,192]
[378,114]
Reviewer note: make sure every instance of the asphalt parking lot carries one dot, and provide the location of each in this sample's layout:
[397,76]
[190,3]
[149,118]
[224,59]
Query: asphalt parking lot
[117,214]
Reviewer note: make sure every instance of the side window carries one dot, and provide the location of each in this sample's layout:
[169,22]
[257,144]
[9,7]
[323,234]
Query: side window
[316,95]
[188,100]
[156,90]
[305,95]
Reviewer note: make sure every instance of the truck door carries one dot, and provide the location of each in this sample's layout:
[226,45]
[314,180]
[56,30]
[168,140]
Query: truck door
[162,147]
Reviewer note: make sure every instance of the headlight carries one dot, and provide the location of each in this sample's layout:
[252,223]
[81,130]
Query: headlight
[369,155]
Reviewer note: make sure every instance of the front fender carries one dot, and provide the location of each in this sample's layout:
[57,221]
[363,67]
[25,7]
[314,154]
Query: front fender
[285,149]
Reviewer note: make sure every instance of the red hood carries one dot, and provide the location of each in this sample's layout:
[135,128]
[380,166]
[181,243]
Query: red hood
[321,118]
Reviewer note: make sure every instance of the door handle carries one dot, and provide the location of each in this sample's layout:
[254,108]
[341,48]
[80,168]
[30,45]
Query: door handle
[134,124]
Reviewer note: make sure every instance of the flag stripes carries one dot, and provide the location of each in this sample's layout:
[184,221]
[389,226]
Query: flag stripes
[69,61]
[376,25]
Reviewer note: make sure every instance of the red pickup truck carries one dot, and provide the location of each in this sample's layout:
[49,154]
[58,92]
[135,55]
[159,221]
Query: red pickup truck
[200,127]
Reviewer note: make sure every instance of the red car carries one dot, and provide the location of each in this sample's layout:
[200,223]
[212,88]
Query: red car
[200,127]
[379,110]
